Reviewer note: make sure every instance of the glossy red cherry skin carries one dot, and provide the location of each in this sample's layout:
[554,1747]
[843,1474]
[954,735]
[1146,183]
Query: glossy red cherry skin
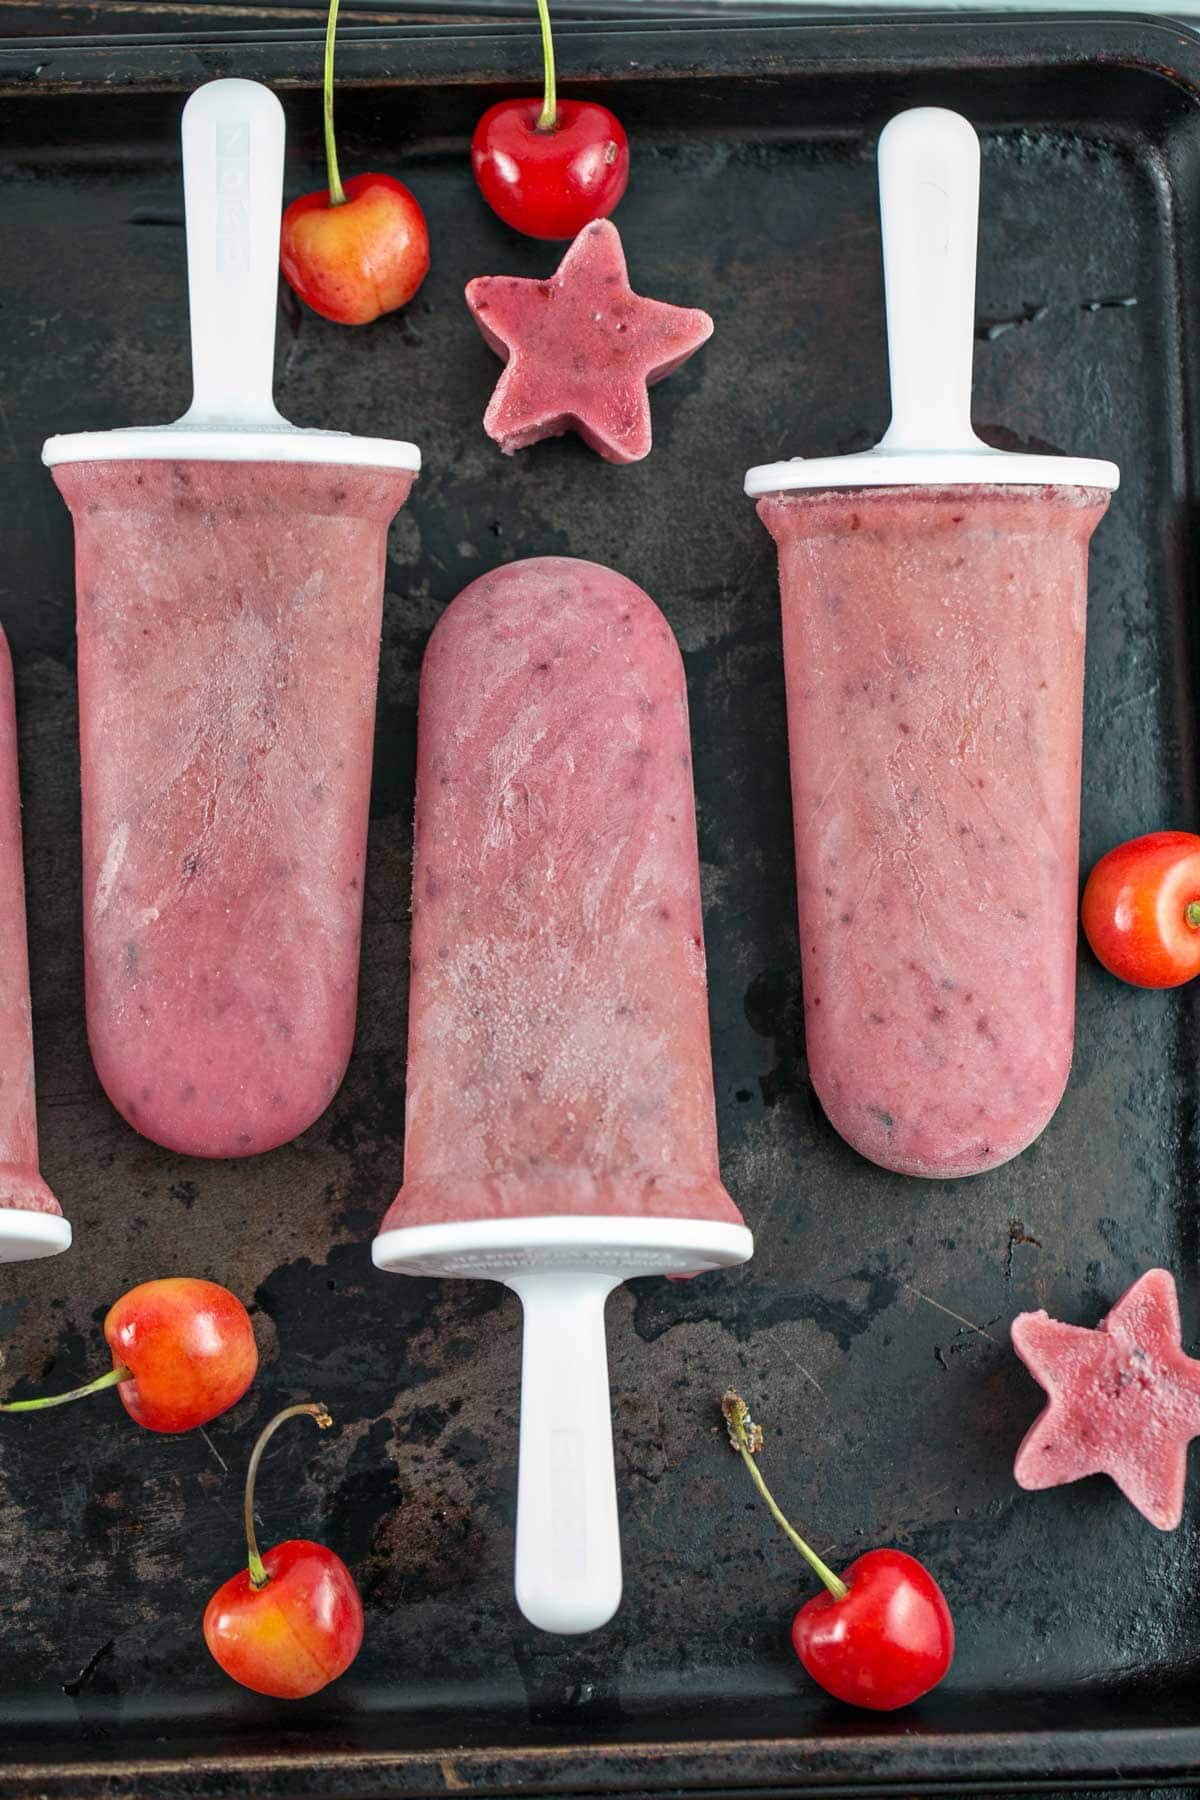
[550,184]
[1137,906]
[888,1642]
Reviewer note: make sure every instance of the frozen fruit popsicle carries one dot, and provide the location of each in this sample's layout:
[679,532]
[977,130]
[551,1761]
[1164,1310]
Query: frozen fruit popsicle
[581,350]
[933,640]
[560,1121]
[228,623]
[229,575]
[31,1221]
[934,600]
[558,1056]
[1122,1400]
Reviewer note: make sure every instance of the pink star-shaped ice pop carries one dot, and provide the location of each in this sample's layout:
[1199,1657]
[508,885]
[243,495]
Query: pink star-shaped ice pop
[1124,1400]
[581,348]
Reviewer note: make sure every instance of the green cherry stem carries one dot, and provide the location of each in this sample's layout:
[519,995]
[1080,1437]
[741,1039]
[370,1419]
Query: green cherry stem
[113,1377]
[337,193]
[548,117]
[746,1438]
[315,1409]
[1192,915]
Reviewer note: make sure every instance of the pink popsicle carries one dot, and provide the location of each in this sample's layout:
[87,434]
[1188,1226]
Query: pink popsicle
[581,350]
[228,619]
[21,1184]
[558,1057]
[933,647]
[1122,1400]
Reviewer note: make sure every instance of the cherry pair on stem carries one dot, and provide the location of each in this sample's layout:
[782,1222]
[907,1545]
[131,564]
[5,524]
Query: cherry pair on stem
[357,249]
[183,1353]
[878,1636]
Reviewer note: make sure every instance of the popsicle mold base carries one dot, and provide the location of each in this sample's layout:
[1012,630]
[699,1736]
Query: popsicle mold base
[25,1234]
[231,443]
[496,1249]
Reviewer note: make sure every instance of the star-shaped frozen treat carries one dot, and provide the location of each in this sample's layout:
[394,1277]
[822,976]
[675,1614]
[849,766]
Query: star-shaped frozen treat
[1124,1400]
[581,348]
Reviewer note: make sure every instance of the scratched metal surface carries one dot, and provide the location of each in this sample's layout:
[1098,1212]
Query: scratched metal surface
[869,1333]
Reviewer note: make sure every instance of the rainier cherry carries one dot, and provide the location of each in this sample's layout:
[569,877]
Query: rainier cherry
[291,1622]
[183,1351]
[356,250]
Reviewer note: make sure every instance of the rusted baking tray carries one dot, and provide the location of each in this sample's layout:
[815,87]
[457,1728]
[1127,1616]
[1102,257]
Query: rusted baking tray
[870,1332]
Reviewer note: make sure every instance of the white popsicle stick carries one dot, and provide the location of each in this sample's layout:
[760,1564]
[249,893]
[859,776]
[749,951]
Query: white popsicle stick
[929,213]
[568,1552]
[233,133]
[233,139]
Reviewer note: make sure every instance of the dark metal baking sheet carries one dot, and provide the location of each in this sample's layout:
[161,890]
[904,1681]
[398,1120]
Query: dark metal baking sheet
[870,1329]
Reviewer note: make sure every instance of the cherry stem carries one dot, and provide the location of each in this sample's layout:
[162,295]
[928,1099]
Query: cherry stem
[548,117]
[1192,915]
[315,1409]
[746,1438]
[337,193]
[120,1373]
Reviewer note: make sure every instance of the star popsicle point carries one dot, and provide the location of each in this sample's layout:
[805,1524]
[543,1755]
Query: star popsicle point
[581,350]
[1124,1399]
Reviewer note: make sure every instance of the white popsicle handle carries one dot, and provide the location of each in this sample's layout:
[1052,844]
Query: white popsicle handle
[233,134]
[929,206]
[568,1561]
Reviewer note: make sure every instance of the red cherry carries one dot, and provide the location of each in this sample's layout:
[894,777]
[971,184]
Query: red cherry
[291,1621]
[549,182]
[1141,909]
[550,167]
[888,1642]
[183,1351]
[294,1635]
[355,260]
[881,1635]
